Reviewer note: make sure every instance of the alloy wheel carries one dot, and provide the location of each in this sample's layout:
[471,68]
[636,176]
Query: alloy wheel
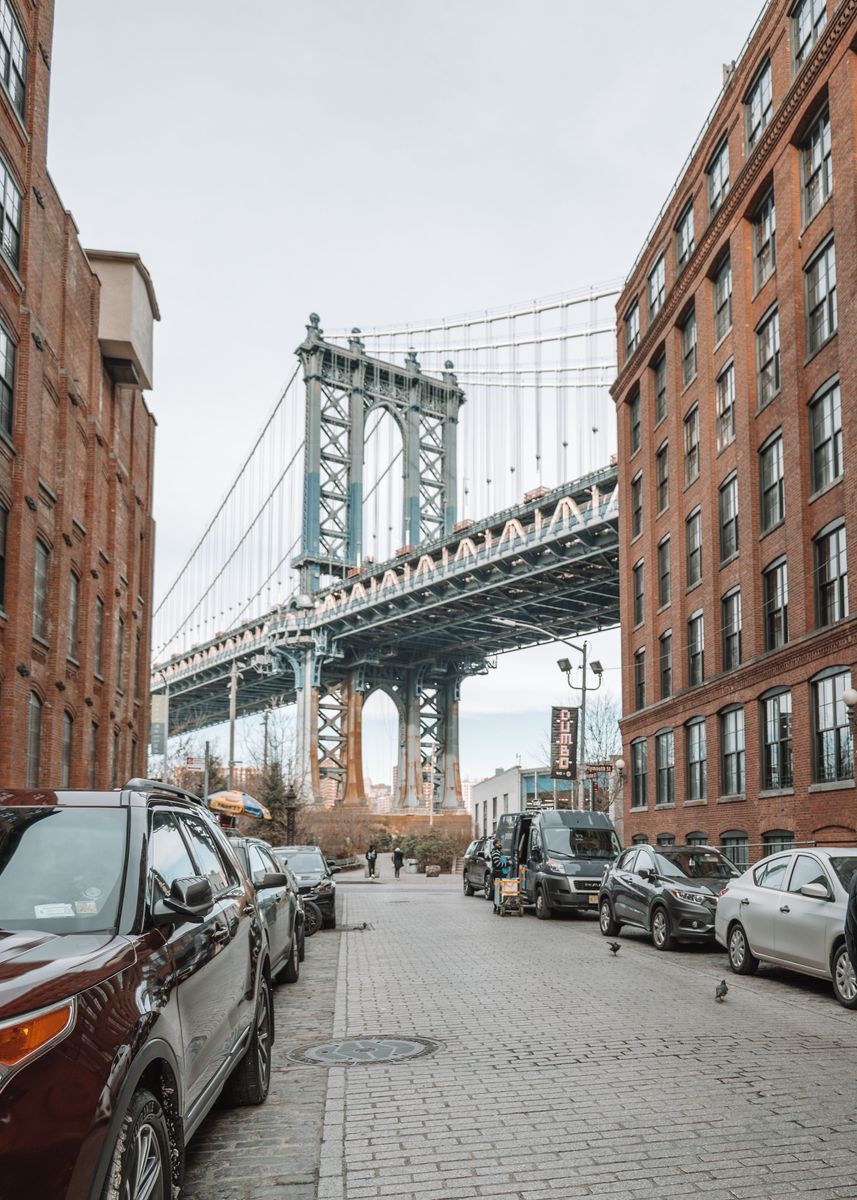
[263,1035]
[659,927]
[145,1180]
[737,948]
[845,979]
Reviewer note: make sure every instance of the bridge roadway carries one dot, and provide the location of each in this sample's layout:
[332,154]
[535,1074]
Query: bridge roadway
[552,561]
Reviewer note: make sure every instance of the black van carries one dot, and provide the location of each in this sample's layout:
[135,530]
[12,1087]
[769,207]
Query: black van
[561,855]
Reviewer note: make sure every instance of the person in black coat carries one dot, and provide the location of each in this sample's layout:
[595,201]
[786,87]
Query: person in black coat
[398,861]
[851,923]
[371,858]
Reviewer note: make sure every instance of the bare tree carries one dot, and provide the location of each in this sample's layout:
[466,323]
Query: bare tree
[603,738]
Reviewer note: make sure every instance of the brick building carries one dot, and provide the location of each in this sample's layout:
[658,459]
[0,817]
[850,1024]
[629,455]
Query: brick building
[737,330]
[76,446]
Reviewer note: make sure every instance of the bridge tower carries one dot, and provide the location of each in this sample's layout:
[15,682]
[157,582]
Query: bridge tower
[344,386]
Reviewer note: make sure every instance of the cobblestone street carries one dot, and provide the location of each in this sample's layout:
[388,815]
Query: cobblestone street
[563,1072]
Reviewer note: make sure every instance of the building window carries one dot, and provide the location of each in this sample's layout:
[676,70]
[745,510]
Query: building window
[718,177]
[663,572]
[114,759]
[10,216]
[775,598]
[637,505]
[665,768]
[695,650]
[816,167]
[759,105]
[98,646]
[660,373]
[773,495]
[640,680]
[65,762]
[697,838]
[7,380]
[728,518]
[73,614]
[736,846]
[697,760]
[657,287]
[821,318]
[691,445]
[775,841]
[730,617]
[640,839]
[635,422]
[632,329]
[662,481]
[13,57]
[41,571]
[4,529]
[638,593]
[732,752]
[138,663]
[724,393]
[777,740]
[723,301]
[688,349]
[665,839]
[808,19]
[834,755]
[765,241]
[665,663]
[120,655]
[684,243]
[831,575]
[93,753]
[768,359]
[34,739]
[825,415]
[639,774]
[693,547]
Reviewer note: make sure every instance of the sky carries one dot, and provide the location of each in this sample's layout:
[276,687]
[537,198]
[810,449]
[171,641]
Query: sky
[375,162]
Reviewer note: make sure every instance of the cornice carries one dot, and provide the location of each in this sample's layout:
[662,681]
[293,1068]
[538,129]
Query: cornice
[754,167]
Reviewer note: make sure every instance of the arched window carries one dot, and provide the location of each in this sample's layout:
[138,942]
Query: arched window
[67,735]
[666,839]
[697,838]
[34,740]
[640,839]
[776,840]
[736,845]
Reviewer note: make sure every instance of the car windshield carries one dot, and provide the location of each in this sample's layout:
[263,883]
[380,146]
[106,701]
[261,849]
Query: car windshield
[304,861]
[61,869]
[581,843]
[845,866]
[693,863]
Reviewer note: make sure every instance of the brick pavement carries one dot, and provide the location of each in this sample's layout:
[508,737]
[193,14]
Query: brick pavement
[565,1073]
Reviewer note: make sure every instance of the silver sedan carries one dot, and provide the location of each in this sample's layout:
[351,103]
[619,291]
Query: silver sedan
[789,909]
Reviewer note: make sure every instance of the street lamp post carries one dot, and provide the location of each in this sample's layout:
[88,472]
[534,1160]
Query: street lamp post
[566,668]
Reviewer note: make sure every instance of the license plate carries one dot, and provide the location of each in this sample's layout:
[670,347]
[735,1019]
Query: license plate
[593,899]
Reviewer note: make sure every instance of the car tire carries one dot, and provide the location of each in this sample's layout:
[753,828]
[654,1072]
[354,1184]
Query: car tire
[249,1082]
[291,972]
[489,888]
[330,921]
[662,934]
[742,960]
[142,1154]
[607,923]
[844,977]
[313,919]
[468,887]
[544,912]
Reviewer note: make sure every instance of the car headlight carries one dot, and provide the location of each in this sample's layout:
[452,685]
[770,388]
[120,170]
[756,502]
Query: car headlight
[24,1037]
[553,864]
[325,887]
[689,897]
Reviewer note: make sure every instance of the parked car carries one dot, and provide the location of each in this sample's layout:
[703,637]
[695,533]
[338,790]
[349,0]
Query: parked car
[789,910]
[279,907]
[314,874]
[134,988]
[671,891]
[477,868]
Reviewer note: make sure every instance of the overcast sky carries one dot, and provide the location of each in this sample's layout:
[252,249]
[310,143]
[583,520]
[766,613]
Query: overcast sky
[374,162]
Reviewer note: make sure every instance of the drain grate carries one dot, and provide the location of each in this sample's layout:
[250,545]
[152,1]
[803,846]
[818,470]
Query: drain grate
[363,1051]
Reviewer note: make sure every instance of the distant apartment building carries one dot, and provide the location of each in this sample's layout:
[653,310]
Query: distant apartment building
[736,411]
[512,790]
[76,459]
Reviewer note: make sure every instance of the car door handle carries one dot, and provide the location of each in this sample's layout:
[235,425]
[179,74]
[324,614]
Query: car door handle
[221,934]
[744,901]
[784,908]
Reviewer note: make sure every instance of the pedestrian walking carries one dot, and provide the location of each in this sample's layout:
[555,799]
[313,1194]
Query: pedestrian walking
[398,860]
[851,923]
[498,866]
[371,858]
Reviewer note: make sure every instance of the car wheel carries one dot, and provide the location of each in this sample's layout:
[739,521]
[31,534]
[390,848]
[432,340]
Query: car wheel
[742,960]
[330,921]
[489,888]
[292,969]
[140,1169]
[249,1082]
[543,909]
[662,934]
[844,978]
[468,887]
[606,921]
[313,919]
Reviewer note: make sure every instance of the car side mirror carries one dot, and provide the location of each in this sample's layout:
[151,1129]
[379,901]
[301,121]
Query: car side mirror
[536,854]
[815,891]
[190,897]
[271,879]
[645,873]
[334,870]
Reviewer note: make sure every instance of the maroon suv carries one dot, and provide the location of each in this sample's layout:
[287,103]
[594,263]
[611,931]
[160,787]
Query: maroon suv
[134,989]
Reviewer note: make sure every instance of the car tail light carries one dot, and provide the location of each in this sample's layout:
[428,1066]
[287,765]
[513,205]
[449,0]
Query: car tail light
[25,1036]
[724,890]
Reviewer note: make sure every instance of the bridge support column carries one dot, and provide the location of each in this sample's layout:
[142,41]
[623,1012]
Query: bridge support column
[354,791]
[306,727]
[451,799]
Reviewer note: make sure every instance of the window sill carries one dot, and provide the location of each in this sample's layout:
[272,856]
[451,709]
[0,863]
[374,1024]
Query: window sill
[771,529]
[69,658]
[688,483]
[821,207]
[4,616]
[695,803]
[731,799]
[6,442]
[815,353]
[19,120]
[639,808]
[835,785]
[664,807]
[691,587]
[822,491]
[722,449]
[98,676]
[724,562]
[773,793]
[40,641]
[690,382]
[761,283]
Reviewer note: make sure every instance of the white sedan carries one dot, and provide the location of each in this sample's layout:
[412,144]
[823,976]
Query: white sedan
[789,909]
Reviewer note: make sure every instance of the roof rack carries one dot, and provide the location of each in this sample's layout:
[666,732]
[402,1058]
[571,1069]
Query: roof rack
[155,785]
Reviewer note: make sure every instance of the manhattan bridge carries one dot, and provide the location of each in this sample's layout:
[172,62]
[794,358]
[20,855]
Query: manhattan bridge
[410,486]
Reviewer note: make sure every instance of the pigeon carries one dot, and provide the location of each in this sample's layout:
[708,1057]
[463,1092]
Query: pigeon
[720,991]
[615,947]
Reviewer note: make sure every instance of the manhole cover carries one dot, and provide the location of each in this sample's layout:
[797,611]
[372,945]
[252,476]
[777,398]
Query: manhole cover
[354,1052]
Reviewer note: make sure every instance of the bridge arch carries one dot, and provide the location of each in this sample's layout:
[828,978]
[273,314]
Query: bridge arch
[383,513]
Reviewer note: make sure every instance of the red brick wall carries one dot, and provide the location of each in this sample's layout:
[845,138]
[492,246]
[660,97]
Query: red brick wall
[807,810]
[81,451]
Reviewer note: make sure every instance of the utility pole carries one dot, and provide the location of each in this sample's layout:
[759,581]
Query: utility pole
[205,772]
[166,730]
[265,717]
[581,750]
[233,706]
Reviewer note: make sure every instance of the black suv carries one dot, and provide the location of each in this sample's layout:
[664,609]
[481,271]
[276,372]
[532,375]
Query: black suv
[671,891]
[477,868]
[314,874]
